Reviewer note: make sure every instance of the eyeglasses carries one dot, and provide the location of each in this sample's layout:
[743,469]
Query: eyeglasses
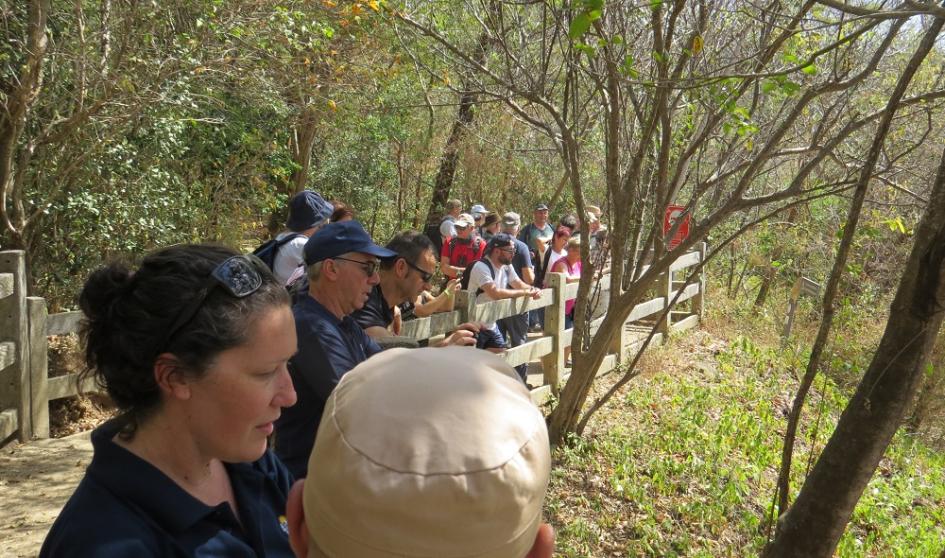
[425,275]
[369,268]
[238,275]
[508,250]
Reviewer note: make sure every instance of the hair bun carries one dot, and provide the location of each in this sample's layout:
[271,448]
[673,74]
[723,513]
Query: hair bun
[105,286]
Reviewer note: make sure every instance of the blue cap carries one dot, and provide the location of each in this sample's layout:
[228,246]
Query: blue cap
[339,238]
[307,209]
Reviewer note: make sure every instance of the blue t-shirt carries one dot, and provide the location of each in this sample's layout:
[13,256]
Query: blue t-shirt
[126,507]
[522,259]
[328,349]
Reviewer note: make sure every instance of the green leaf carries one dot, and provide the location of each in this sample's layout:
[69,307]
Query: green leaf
[579,25]
[585,48]
[654,4]
[810,70]
[790,88]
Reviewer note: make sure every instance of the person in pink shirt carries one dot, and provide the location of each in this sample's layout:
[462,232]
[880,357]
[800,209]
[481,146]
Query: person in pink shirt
[570,265]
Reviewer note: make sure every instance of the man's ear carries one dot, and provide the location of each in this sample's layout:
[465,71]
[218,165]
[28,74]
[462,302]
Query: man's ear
[169,376]
[401,268]
[544,542]
[330,269]
[295,517]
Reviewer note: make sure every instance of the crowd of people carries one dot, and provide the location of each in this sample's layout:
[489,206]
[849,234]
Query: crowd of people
[236,375]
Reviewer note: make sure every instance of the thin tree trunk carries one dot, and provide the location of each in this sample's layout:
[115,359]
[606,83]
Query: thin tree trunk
[447,171]
[843,251]
[812,527]
[13,116]
[448,161]
[305,133]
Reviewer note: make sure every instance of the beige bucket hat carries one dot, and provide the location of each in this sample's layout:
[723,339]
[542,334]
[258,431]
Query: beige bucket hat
[435,452]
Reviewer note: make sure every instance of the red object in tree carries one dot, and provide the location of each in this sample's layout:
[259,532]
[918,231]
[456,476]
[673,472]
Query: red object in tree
[669,219]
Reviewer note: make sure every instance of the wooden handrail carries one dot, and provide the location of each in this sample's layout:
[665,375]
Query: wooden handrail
[36,389]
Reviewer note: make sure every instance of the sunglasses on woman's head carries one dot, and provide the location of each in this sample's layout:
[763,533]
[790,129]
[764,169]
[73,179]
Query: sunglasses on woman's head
[238,275]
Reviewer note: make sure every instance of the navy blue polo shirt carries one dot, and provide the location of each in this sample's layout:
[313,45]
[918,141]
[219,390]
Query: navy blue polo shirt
[328,349]
[375,311]
[522,258]
[126,507]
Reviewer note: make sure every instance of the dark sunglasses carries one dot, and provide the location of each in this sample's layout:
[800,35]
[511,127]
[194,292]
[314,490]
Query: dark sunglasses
[425,275]
[238,275]
[370,268]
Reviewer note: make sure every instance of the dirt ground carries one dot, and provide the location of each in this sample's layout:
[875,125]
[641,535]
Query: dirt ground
[36,479]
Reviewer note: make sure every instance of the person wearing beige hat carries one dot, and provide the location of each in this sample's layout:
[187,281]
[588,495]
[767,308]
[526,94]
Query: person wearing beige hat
[434,453]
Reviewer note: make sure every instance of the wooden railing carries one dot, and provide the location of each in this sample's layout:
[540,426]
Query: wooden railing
[25,327]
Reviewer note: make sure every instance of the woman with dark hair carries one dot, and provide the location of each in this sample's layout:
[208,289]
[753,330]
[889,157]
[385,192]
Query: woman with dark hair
[490,226]
[570,265]
[192,347]
[342,212]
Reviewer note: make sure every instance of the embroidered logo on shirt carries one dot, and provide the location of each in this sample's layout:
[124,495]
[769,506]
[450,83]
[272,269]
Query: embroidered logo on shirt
[284,524]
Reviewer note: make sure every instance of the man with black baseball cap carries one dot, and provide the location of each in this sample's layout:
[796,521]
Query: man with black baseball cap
[342,262]
[494,278]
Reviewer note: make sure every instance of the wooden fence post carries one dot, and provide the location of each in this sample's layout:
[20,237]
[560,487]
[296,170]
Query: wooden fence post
[466,305]
[553,363]
[665,290]
[620,344]
[698,301]
[39,366]
[14,352]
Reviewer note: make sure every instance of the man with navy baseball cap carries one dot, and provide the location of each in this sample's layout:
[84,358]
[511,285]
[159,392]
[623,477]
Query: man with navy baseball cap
[307,212]
[342,262]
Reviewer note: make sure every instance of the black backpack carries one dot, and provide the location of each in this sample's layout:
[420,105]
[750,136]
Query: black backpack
[267,250]
[543,269]
[464,280]
[433,233]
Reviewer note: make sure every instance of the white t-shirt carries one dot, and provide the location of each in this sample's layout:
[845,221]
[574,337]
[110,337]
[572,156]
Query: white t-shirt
[555,256]
[446,226]
[480,275]
[289,257]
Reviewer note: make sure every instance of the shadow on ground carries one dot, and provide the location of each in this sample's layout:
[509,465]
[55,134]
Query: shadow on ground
[36,479]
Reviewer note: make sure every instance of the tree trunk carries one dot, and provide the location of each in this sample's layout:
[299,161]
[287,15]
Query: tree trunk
[305,132]
[13,115]
[840,263]
[464,117]
[814,524]
[444,176]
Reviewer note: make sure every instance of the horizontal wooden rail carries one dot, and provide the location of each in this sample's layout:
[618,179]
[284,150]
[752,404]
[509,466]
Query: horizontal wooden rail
[9,423]
[68,386]
[6,284]
[63,323]
[26,408]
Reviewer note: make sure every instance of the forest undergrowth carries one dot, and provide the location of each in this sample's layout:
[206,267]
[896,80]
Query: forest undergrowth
[684,461]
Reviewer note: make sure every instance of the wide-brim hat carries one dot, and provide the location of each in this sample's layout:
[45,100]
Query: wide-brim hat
[435,452]
[307,209]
